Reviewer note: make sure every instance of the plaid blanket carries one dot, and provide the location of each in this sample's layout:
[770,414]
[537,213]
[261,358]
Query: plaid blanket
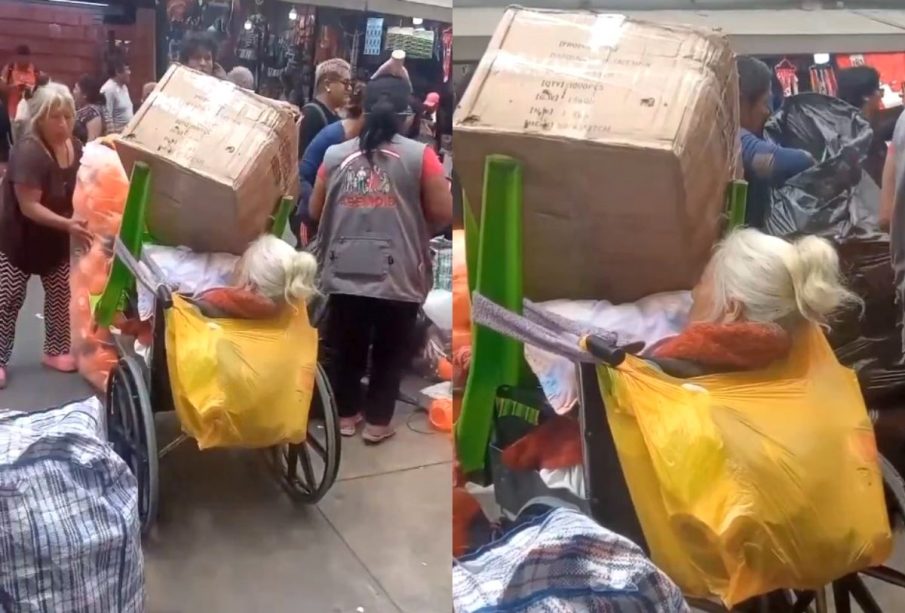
[69,528]
[562,562]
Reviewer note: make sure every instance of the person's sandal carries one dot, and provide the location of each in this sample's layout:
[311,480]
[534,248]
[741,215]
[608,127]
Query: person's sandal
[377,434]
[348,426]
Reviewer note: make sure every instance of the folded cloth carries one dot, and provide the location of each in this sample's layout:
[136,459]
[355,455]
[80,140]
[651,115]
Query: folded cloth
[646,321]
[186,272]
[562,561]
[235,303]
[69,530]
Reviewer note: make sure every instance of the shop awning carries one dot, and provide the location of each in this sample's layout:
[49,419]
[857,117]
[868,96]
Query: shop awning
[752,32]
[433,10]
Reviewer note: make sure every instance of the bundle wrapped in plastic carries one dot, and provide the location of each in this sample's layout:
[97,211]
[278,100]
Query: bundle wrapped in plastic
[836,200]
[99,199]
[745,483]
[69,528]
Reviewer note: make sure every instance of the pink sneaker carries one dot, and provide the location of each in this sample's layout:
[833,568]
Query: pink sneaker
[348,426]
[377,434]
[2,377]
[62,363]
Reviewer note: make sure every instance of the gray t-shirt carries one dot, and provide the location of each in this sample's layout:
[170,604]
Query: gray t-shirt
[119,105]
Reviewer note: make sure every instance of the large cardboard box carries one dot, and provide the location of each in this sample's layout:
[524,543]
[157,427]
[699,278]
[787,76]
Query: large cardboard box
[221,158]
[627,135]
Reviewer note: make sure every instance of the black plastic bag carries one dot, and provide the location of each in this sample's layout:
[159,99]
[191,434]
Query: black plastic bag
[836,200]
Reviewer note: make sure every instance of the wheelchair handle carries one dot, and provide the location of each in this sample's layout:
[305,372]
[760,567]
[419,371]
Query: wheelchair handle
[600,349]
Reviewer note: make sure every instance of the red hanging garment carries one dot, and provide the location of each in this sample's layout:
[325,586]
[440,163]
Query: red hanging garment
[787,74]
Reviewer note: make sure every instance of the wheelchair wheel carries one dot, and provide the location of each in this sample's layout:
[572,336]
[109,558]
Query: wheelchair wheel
[131,431]
[307,471]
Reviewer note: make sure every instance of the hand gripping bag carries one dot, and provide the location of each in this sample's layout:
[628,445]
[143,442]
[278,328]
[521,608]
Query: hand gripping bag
[241,382]
[750,482]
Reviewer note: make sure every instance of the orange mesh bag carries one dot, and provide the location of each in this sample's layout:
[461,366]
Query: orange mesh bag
[99,199]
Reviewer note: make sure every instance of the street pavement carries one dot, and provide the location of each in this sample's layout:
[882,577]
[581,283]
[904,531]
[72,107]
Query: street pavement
[229,540]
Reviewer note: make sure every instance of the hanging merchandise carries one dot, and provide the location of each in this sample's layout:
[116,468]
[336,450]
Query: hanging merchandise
[176,10]
[328,44]
[247,47]
[417,44]
[823,80]
[447,54]
[356,48]
[373,36]
[787,73]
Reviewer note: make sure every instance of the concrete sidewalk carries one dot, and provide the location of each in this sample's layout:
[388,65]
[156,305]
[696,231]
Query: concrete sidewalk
[229,540]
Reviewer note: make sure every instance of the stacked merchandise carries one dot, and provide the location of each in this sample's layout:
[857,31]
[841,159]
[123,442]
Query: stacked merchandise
[417,43]
[836,200]
[787,75]
[216,152]
[644,202]
[221,158]
[823,80]
[99,199]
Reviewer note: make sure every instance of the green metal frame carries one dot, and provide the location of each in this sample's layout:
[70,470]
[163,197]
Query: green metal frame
[494,259]
[133,234]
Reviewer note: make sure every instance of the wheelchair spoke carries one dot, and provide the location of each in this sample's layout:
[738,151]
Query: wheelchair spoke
[803,602]
[290,457]
[305,461]
[315,444]
[840,596]
[863,596]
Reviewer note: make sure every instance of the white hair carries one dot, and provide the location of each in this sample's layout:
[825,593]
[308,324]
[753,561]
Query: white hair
[775,281]
[273,268]
[46,99]
[242,77]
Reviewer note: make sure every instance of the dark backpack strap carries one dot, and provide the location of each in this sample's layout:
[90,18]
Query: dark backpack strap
[319,110]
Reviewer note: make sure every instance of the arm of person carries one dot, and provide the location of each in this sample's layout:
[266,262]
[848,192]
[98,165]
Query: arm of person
[771,162]
[30,204]
[436,196]
[888,190]
[110,98]
[94,128]
[317,148]
[318,195]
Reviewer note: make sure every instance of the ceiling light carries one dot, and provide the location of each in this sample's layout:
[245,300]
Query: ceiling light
[293,15]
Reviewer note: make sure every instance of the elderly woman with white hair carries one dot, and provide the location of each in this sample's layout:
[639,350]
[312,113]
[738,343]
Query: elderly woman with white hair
[242,77]
[36,223]
[755,296]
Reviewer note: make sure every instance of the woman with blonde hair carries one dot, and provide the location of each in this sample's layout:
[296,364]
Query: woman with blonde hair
[36,223]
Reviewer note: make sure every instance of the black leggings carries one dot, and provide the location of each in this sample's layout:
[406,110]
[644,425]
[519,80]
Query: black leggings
[355,324]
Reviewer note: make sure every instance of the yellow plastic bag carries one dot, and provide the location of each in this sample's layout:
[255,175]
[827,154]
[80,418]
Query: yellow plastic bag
[751,482]
[241,383]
